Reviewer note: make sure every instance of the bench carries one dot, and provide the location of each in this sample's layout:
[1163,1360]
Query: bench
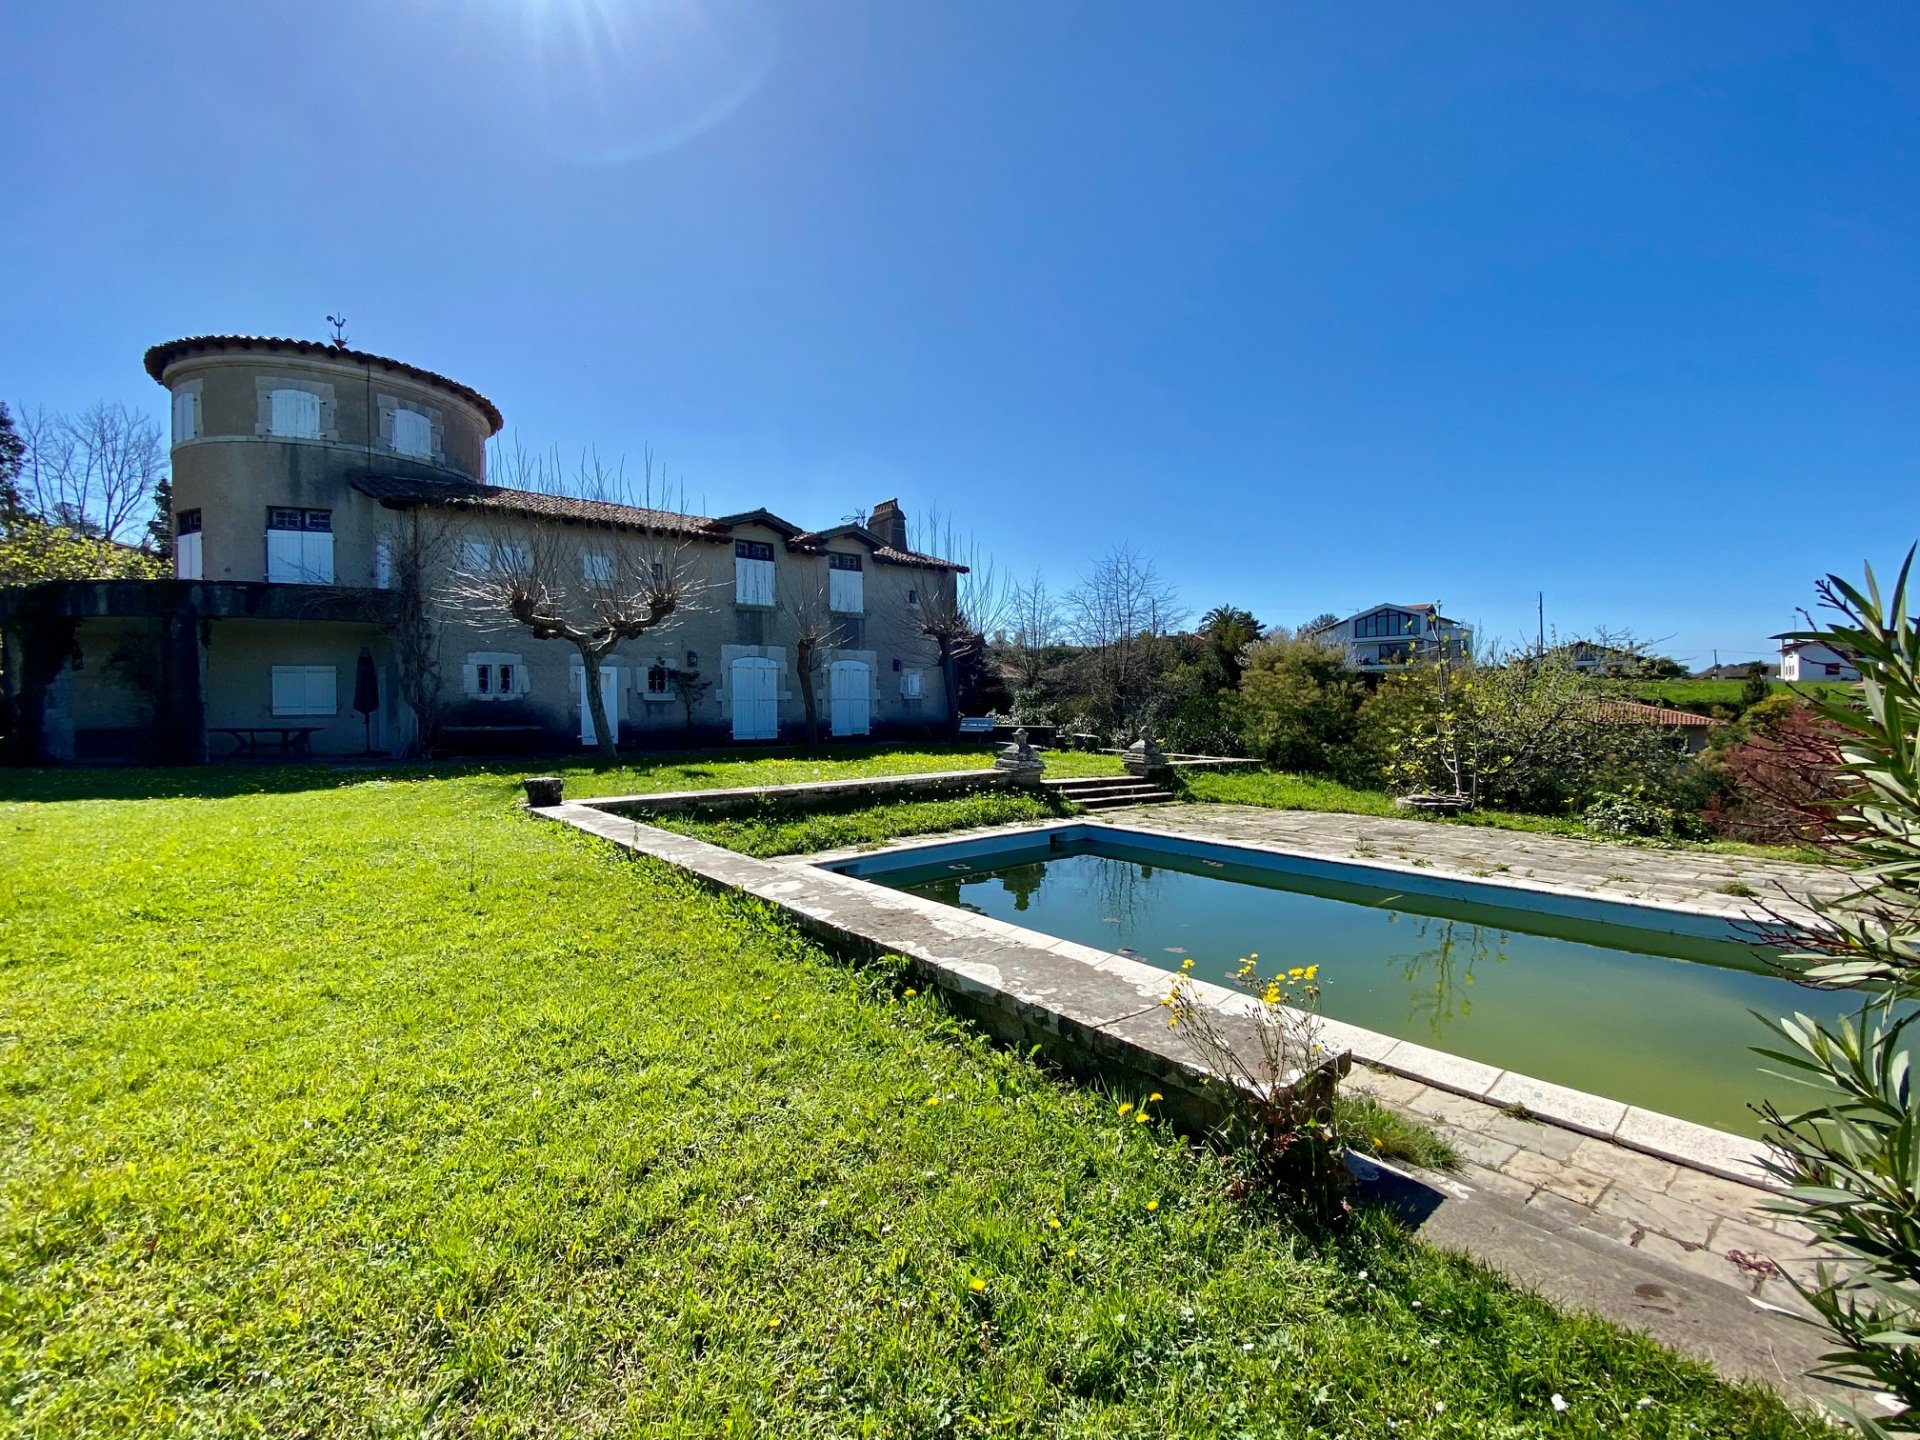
[291,739]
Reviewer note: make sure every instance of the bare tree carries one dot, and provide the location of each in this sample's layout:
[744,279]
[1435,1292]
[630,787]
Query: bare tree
[1123,611]
[957,617]
[421,551]
[595,586]
[1034,617]
[814,626]
[94,473]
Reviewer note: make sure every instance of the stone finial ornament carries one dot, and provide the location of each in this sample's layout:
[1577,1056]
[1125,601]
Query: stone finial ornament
[1145,759]
[1020,759]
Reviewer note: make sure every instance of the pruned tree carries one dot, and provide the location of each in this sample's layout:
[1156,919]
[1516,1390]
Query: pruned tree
[593,586]
[958,611]
[1122,612]
[94,473]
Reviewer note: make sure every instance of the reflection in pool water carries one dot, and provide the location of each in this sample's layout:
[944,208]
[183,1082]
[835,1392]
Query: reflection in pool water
[1663,1021]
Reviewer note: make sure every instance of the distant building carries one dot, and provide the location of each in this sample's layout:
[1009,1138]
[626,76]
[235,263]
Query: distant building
[1687,730]
[1745,670]
[1387,637]
[1814,660]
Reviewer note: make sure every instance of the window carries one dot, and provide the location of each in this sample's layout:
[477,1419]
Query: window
[299,546]
[752,573]
[1831,668]
[913,685]
[1384,623]
[496,675]
[844,585]
[481,557]
[305,690]
[659,682]
[295,415]
[186,545]
[913,598]
[412,433]
[383,564]
[597,569]
[186,415]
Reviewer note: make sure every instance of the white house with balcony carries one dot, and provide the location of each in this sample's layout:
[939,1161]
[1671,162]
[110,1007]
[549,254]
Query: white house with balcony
[1802,660]
[1385,637]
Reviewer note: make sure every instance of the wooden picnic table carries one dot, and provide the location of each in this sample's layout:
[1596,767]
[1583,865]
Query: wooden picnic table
[292,739]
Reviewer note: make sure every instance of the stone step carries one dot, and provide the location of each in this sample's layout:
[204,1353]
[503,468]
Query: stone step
[1112,787]
[1102,782]
[1116,802]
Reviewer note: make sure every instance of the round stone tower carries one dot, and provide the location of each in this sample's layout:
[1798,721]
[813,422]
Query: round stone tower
[269,436]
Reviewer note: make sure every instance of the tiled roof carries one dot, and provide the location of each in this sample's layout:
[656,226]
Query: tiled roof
[814,542]
[161,356]
[472,495]
[1632,712]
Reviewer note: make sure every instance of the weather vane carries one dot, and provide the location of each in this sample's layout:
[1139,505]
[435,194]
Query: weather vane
[339,324]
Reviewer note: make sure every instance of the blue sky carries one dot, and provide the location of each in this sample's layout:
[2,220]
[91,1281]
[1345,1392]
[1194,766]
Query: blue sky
[1317,304]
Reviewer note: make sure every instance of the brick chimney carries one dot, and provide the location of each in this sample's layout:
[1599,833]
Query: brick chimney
[889,522]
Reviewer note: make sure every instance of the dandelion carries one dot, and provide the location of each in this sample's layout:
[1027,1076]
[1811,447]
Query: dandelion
[933,1099]
[1155,1098]
[774,1323]
[1053,1222]
[1126,1109]
[1187,964]
[1141,1118]
[909,992]
[976,1284]
[1153,1204]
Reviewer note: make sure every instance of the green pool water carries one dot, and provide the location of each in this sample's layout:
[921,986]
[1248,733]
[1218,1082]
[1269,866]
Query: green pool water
[1663,1021]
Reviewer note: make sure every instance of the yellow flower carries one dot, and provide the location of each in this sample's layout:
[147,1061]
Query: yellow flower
[1141,1118]
[933,1099]
[1153,1204]
[1155,1098]
[1187,964]
[1312,970]
[976,1284]
[774,1323]
[1053,1222]
[1126,1109]
[910,992]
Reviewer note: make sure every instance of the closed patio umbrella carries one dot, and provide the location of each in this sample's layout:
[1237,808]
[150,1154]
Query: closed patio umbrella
[366,692]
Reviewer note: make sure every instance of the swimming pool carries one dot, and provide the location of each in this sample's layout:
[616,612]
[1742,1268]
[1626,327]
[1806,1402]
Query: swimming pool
[1647,1006]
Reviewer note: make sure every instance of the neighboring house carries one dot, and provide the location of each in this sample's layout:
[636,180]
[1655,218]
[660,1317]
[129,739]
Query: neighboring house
[1590,657]
[1683,727]
[1745,670]
[1388,636]
[298,469]
[1814,660]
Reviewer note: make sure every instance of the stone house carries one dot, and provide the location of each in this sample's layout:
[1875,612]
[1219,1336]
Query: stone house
[325,500]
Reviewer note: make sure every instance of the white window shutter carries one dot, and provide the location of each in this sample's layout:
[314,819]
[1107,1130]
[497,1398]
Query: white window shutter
[289,690]
[316,556]
[322,690]
[522,682]
[383,564]
[284,559]
[412,433]
[470,678]
[186,557]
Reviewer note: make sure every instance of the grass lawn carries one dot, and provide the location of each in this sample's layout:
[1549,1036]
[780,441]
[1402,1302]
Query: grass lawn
[1704,695]
[787,833]
[373,1107]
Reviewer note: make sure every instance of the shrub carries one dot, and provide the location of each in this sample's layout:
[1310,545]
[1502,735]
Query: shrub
[1299,705]
[1783,783]
[1848,1157]
[1628,815]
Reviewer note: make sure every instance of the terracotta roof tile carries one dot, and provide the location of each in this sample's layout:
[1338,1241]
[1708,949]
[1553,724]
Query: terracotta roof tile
[473,495]
[1632,712]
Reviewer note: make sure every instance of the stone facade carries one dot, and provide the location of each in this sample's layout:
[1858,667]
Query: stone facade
[312,473]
